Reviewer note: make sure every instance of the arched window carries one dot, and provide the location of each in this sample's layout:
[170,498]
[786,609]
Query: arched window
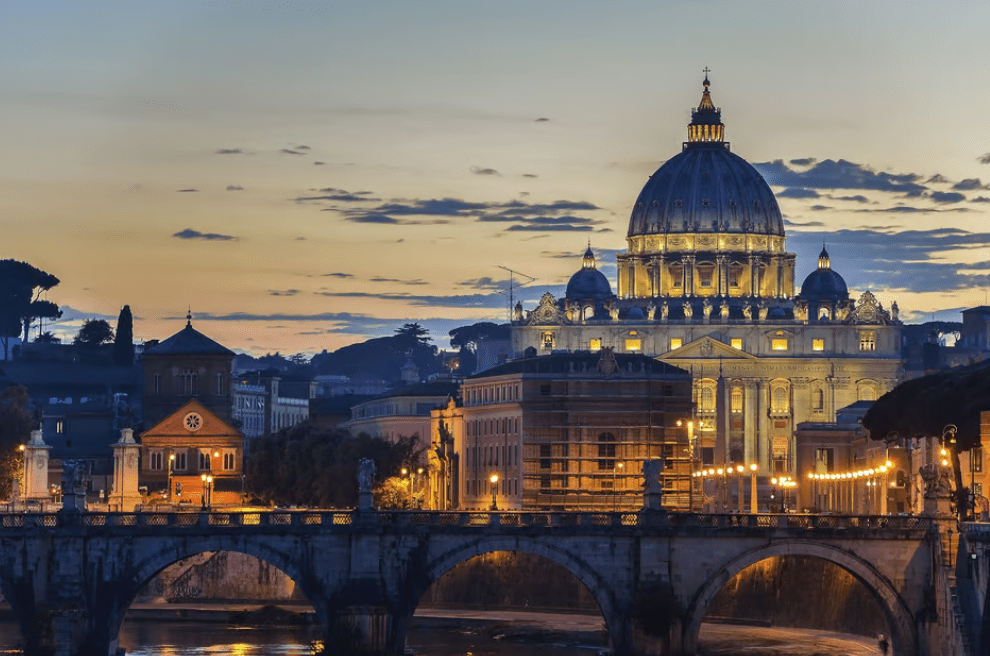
[779,402]
[737,399]
[606,451]
[818,400]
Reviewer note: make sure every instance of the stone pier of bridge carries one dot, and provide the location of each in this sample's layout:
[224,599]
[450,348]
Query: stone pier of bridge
[70,578]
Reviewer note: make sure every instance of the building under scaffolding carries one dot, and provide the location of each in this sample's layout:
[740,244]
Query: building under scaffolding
[569,431]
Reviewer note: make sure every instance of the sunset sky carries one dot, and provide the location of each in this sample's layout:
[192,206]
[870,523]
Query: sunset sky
[307,175]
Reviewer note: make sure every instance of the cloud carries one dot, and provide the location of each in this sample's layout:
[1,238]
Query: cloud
[302,148]
[819,208]
[372,218]
[547,223]
[229,151]
[492,300]
[841,174]
[938,178]
[529,175]
[337,274]
[795,192]
[980,199]
[417,281]
[806,224]
[984,158]
[915,260]
[487,283]
[804,161]
[189,233]
[477,170]
[947,197]
[235,188]
[969,184]
[290,152]
[859,198]
[318,163]
[542,119]
[186,190]
[339,196]
[284,292]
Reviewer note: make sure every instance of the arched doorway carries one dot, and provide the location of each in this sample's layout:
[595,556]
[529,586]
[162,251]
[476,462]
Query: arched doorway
[242,598]
[831,577]
[527,590]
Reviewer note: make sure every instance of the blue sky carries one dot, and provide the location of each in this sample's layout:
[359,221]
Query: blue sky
[305,175]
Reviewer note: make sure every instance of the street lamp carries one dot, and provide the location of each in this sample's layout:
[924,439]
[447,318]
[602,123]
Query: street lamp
[615,490]
[171,464]
[494,480]
[207,498]
[753,509]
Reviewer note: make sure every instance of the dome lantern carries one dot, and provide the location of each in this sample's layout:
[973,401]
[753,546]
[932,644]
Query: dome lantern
[706,119]
[823,260]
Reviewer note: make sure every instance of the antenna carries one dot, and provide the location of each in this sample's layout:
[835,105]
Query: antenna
[511,274]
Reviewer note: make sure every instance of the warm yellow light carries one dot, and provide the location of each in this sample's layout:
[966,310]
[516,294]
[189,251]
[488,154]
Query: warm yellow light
[944,452]
[202,477]
[720,471]
[773,481]
[701,424]
[620,465]
[171,456]
[883,469]
[22,448]
[494,478]
[404,471]
[889,464]
[740,468]
[680,423]
[945,463]
[209,479]
[419,471]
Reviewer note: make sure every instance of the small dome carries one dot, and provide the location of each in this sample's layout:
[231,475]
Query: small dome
[777,313]
[823,283]
[588,282]
[635,313]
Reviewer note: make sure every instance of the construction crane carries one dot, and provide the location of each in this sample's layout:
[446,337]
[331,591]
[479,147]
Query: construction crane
[511,280]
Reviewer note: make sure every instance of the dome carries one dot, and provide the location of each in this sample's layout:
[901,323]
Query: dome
[706,188]
[823,283]
[588,282]
[635,313]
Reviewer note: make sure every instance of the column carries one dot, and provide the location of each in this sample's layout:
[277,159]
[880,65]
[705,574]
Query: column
[685,275]
[750,419]
[125,496]
[654,276]
[754,275]
[36,469]
[762,432]
[661,263]
[722,270]
[689,270]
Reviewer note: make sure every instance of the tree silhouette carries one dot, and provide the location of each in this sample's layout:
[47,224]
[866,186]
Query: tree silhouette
[16,422]
[21,286]
[123,343]
[94,332]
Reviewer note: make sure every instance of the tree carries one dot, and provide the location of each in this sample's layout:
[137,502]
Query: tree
[309,466]
[16,422]
[21,286]
[47,338]
[94,332]
[926,406]
[466,338]
[123,343]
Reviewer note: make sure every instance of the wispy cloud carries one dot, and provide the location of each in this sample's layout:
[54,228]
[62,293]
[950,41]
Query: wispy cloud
[478,170]
[947,197]
[841,174]
[229,151]
[189,233]
[235,188]
[969,184]
[185,191]
[337,274]
[398,281]
[283,292]
[288,151]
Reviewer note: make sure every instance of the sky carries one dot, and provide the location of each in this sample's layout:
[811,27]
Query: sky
[305,175]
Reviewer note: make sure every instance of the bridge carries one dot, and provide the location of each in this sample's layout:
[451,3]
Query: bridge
[70,577]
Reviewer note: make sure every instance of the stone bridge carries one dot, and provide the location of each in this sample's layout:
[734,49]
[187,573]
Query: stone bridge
[70,577]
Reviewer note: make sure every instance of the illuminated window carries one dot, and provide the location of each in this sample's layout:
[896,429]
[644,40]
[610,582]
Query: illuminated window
[634,344]
[779,403]
[734,273]
[818,345]
[736,343]
[705,276]
[706,396]
[737,399]
[675,343]
[59,426]
[677,274]
[778,343]
[595,344]
[867,340]
[606,451]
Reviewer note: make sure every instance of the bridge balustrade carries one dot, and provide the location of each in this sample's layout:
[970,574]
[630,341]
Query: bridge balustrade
[448,519]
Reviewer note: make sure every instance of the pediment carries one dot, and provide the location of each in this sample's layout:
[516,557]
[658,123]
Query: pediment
[209,424]
[707,348]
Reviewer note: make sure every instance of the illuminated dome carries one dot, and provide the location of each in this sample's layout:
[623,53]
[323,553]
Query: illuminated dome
[823,283]
[588,282]
[706,188]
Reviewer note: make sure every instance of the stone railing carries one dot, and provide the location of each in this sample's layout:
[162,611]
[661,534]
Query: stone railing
[419,520]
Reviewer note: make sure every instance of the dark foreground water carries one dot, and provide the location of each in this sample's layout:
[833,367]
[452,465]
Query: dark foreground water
[146,638]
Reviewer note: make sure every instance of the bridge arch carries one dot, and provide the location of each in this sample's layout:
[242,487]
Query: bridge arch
[169,552]
[896,612]
[601,590]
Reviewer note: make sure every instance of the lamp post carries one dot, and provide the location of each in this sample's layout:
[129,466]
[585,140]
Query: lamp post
[753,508]
[207,498]
[615,490]
[494,480]
[171,465]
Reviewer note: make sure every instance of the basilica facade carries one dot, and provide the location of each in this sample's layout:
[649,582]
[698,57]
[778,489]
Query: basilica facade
[706,284]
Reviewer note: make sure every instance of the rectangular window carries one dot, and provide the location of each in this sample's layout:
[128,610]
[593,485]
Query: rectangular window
[204,460]
[778,343]
[228,461]
[867,340]
[708,455]
[824,461]
[219,384]
[705,276]
[634,344]
[544,390]
[675,343]
[180,463]
[545,452]
[818,345]
[977,458]
[978,489]
[157,384]
[736,343]
[59,426]
[595,344]
[155,460]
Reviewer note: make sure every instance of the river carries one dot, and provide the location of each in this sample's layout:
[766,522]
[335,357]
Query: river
[466,635]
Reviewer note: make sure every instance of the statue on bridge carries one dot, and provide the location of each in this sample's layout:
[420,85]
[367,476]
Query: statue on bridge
[366,480]
[75,473]
[652,486]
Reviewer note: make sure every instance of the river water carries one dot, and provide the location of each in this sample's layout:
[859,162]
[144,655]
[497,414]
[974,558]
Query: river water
[149,638]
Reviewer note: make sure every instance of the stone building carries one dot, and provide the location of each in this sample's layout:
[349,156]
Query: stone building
[401,412]
[566,431]
[706,284]
[196,449]
[187,365]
